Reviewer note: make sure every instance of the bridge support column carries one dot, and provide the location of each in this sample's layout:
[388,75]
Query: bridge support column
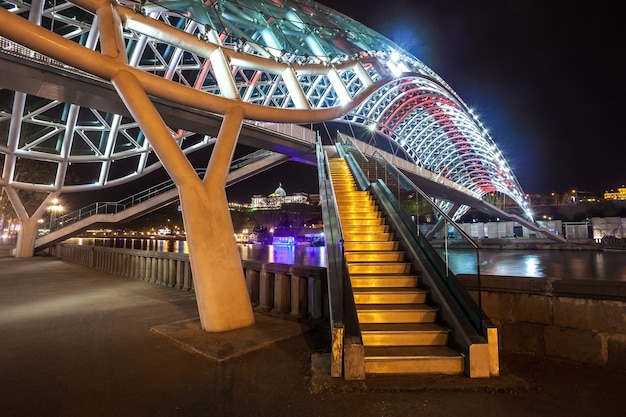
[25,245]
[221,292]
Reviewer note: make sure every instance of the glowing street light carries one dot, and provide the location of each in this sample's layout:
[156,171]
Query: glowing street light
[55,209]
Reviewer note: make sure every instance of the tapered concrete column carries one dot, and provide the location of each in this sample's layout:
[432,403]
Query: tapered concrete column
[221,290]
[221,293]
[25,245]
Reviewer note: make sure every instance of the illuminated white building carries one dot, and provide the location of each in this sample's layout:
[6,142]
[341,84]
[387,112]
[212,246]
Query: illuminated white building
[276,199]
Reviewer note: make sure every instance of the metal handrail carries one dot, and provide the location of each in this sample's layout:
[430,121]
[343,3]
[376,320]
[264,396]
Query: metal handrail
[111,207]
[334,260]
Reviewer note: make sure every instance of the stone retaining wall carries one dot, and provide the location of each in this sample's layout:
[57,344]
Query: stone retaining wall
[577,320]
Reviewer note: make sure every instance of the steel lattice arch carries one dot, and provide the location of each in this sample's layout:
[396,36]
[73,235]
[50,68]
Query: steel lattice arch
[302,60]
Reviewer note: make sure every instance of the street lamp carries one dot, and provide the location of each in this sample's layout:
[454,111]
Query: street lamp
[55,209]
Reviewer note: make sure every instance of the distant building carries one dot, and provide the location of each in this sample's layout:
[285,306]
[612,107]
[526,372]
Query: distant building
[619,195]
[276,199]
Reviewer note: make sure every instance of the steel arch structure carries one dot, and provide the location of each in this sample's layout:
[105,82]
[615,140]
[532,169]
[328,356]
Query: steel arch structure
[278,61]
[287,54]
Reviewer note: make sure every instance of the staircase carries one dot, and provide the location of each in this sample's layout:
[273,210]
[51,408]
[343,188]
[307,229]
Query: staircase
[399,329]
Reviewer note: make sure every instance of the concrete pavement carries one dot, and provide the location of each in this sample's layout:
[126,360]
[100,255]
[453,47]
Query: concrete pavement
[79,342]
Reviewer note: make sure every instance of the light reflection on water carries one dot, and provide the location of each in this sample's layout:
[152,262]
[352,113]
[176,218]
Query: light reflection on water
[299,255]
[294,255]
[610,266]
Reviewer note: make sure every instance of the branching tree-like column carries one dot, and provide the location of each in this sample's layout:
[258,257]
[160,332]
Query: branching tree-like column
[223,300]
[25,245]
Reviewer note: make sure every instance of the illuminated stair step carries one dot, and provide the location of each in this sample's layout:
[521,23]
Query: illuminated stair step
[404,334]
[383,280]
[358,246]
[413,360]
[372,256]
[356,201]
[365,228]
[396,313]
[379,268]
[352,195]
[345,217]
[364,222]
[358,209]
[367,237]
[375,295]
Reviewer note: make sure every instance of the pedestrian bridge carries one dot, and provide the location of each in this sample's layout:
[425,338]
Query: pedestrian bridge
[98,94]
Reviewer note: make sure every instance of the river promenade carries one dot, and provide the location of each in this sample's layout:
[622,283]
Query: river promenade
[78,341]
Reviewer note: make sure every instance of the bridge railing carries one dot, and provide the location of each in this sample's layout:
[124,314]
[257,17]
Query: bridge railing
[8,47]
[290,130]
[297,290]
[114,207]
[111,207]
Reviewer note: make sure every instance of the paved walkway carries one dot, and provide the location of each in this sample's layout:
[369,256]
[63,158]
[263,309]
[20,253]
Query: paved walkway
[79,342]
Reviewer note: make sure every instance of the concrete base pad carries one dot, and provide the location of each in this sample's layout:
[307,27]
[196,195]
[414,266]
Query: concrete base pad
[321,381]
[222,346]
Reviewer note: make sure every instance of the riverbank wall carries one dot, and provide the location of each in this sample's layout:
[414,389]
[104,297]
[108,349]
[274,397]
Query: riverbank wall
[578,320]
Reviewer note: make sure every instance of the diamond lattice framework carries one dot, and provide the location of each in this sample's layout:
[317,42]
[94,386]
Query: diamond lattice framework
[285,60]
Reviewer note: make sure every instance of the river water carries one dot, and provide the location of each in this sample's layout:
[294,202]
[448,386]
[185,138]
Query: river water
[566,264]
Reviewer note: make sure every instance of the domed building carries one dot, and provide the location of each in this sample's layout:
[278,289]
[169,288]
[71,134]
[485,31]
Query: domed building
[276,199]
[279,192]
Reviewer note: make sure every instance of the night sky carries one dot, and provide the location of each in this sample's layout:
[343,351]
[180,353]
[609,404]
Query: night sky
[546,77]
